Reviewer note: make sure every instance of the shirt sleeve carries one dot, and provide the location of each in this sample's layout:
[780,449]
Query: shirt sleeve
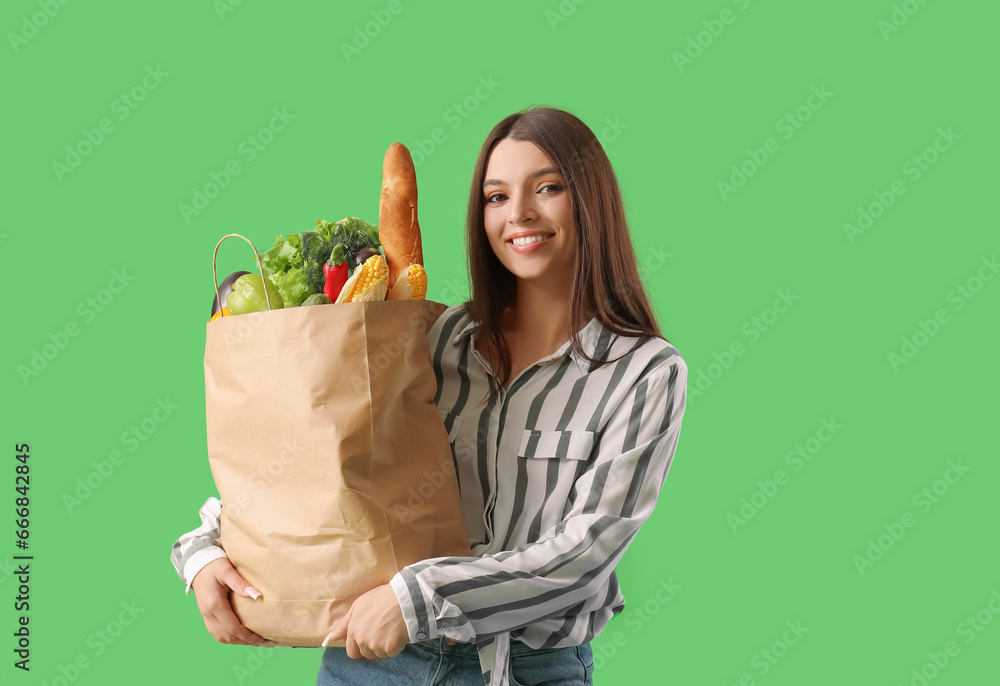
[195,549]
[478,598]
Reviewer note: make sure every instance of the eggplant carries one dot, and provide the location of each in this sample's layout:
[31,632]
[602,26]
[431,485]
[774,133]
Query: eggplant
[225,288]
[363,256]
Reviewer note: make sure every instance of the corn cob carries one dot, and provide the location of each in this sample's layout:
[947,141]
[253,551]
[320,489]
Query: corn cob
[411,284]
[368,283]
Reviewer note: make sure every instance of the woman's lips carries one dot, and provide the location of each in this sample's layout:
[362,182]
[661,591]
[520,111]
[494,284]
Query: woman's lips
[529,247]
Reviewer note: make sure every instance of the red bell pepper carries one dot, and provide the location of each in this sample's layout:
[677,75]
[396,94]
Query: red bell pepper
[335,272]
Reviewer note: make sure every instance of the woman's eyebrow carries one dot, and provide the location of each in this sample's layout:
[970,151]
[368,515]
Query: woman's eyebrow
[540,172]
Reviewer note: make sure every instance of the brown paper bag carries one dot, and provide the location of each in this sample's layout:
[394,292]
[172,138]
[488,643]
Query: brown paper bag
[331,459]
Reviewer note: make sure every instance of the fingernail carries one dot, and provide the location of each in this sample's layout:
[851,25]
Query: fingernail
[270,644]
[252,592]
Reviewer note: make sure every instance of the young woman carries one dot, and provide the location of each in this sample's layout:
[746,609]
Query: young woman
[564,405]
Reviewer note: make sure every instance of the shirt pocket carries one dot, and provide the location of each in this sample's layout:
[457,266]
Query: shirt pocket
[567,445]
[452,424]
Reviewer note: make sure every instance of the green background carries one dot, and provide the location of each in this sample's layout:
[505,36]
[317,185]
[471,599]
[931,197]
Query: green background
[712,260]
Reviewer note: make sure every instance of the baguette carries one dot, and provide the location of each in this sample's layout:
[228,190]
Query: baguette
[398,229]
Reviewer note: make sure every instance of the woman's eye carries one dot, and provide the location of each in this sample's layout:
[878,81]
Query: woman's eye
[554,186]
[495,197]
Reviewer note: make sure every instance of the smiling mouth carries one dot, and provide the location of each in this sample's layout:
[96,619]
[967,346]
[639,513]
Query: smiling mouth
[528,240]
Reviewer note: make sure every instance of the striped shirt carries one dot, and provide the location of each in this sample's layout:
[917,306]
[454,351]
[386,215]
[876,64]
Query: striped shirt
[556,477]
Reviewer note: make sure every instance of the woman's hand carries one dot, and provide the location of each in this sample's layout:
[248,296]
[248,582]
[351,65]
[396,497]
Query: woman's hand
[374,627]
[211,588]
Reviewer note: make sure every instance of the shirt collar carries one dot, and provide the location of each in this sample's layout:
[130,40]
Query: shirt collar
[594,339]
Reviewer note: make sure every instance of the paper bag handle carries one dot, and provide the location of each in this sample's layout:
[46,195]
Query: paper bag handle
[215,274]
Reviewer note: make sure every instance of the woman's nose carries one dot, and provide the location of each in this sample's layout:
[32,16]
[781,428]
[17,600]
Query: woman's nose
[521,209]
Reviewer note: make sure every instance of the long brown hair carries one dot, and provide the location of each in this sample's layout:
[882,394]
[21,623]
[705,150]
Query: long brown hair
[606,281]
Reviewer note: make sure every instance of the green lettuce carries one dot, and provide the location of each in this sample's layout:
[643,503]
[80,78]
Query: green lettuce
[284,254]
[292,285]
[282,265]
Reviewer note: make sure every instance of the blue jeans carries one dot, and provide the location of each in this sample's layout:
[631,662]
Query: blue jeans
[435,663]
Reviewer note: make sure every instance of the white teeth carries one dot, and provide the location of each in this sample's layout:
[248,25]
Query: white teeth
[528,239]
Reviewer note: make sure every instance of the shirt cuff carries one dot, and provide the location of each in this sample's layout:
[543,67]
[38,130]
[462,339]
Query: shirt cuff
[198,560]
[417,631]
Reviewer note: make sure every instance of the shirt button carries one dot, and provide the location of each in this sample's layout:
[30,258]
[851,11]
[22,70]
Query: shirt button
[421,635]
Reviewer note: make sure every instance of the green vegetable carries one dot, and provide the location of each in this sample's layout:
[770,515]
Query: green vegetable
[316,250]
[356,234]
[317,299]
[282,266]
[298,273]
[248,295]
[224,289]
[292,286]
[284,254]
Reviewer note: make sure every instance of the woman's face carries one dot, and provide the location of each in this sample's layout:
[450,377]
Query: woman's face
[529,214]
